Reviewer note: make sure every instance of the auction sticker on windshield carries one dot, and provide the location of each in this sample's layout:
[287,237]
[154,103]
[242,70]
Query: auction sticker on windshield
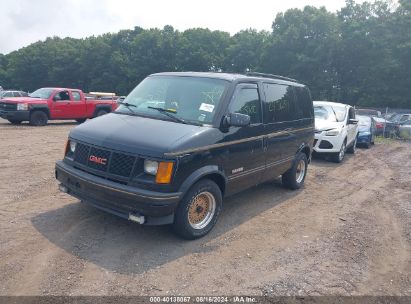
[207,107]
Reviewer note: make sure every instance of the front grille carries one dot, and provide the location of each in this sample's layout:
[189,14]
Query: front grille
[81,154]
[101,154]
[110,162]
[121,164]
[8,106]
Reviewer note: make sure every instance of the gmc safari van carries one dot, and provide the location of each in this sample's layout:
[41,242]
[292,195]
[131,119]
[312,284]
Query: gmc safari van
[180,142]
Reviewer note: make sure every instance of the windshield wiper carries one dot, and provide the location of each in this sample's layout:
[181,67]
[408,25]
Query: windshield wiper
[168,112]
[128,106]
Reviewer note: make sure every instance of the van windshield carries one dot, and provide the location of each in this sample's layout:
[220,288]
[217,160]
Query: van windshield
[329,113]
[189,99]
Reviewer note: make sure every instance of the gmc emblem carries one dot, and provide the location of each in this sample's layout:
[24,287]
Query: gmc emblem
[98,160]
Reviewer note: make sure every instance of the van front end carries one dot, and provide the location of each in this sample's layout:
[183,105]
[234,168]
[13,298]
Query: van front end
[118,183]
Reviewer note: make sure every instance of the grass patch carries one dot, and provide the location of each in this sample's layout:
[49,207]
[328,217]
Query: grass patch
[384,140]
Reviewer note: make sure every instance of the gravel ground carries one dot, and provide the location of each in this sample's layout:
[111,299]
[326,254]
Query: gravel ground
[348,232]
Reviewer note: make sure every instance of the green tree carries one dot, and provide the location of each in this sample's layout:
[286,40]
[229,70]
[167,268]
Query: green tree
[245,50]
[303,46]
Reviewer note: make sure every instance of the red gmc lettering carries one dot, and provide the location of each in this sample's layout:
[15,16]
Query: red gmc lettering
[98,160]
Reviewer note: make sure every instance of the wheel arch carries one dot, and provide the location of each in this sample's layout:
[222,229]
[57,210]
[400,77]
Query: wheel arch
[44,109]
[104,107]
[305,148]
[208,172]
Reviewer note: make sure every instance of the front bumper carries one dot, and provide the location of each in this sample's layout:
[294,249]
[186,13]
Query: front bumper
[15,115]
[156,207]
[327,144]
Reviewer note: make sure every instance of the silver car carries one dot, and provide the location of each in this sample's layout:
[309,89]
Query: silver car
[404,129]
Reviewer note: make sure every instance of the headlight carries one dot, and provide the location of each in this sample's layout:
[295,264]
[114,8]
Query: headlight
[332,132]
[70,149]
[22,106]
[163,171]
[150,167]
[73,145]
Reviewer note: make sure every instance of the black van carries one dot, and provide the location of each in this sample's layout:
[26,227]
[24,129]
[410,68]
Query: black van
[180,142]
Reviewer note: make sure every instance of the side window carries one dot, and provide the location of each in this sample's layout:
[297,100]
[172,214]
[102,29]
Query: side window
[404,118]
[304,102]
[16,94]
[63,95]
[279,105]
[247,101]
[76,95]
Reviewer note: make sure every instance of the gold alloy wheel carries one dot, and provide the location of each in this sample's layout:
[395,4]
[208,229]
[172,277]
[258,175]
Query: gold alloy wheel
[202,209]
[300,172]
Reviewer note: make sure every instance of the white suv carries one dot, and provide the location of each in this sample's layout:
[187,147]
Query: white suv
[336,129]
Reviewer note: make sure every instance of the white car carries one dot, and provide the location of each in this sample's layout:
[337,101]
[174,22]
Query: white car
[336,129]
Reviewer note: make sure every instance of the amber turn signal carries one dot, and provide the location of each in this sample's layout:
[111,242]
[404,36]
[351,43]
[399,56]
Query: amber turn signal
[164,172]
[67,148]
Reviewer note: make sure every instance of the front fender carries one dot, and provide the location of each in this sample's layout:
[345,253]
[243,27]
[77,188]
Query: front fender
[41,107]
[199,174]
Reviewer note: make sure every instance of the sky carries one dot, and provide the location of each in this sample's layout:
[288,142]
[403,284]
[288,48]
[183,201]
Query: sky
[23,22]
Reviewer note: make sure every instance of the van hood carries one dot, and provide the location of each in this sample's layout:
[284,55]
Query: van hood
[322,125]
[141,135]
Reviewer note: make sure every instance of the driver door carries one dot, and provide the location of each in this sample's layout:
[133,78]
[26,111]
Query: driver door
[61,108]
[244,152]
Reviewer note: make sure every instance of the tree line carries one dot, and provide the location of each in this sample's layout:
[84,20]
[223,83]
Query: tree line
[360,55]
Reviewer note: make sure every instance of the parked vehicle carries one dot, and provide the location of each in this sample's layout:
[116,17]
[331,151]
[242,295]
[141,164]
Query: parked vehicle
[180,142]
[368,112]
[379,123]
[392,125]
[10,93]
[366,131]
[336,129]
[401,118]
[403,129]
[53,103]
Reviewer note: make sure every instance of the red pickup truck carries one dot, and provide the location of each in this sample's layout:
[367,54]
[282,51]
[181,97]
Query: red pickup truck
[53,104]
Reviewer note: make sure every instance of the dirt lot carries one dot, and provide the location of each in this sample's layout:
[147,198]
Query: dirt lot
[348,232]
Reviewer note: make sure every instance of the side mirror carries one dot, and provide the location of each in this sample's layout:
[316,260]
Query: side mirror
[353,121]
[237,120]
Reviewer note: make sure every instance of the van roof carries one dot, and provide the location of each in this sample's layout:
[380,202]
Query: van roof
[231,76]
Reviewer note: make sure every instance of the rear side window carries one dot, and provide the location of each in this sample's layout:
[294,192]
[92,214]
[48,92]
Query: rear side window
[247,101]
[279,105]
[304,104]
[76,96]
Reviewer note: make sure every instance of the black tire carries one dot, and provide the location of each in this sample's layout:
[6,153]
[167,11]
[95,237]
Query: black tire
[81,120]
[182,224]
[339,156]
[15,122]
[101,113]
[38,118]
[295,176]
[352,149]
[367,145]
